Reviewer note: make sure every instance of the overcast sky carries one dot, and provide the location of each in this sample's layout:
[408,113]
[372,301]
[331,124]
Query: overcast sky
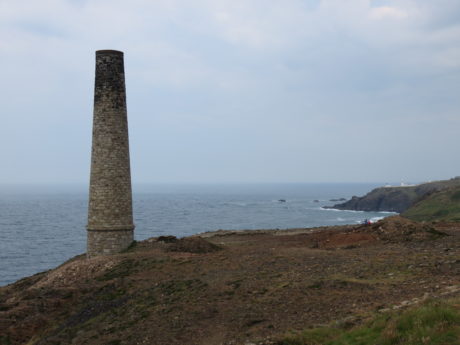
[236,90]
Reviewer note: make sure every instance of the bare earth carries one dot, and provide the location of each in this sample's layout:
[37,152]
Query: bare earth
[255,287]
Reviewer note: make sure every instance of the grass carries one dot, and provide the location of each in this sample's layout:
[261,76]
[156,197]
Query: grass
[434,323]
[444,205]
[5,340]
[123,269]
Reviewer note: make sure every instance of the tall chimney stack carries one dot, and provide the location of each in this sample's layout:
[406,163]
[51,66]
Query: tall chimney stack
[110,216]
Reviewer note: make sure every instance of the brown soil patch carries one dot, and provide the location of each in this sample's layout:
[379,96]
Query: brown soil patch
[195,245]
[347,240]
[398,229]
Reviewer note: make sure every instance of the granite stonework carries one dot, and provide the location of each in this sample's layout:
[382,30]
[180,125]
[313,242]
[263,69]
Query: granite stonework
[106,242]
[110,216]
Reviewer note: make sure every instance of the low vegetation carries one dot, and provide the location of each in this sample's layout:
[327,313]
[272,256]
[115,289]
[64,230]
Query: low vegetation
[433,323]
[440,206]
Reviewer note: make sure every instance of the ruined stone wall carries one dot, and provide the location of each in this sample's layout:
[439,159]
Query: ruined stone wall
[110,197]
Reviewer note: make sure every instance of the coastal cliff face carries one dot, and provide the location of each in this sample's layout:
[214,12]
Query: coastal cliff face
[395,199]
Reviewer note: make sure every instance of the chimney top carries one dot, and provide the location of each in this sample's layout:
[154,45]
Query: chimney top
[108,51]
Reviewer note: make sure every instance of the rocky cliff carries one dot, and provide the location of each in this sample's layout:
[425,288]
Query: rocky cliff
[395,199]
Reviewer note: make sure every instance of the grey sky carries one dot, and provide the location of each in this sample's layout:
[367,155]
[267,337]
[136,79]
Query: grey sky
[236,90]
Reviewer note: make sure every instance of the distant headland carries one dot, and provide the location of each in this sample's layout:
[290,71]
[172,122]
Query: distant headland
[398,199]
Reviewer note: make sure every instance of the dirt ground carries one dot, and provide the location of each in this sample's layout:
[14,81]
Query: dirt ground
[248,287]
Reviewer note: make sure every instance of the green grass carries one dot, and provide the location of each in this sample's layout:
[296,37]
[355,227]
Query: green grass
[444,205]
[5,340]
[434,323]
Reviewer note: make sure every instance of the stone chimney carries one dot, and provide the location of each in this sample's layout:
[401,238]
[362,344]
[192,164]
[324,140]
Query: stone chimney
[110,216]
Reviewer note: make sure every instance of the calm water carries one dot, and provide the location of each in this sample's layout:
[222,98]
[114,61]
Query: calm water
[42,227]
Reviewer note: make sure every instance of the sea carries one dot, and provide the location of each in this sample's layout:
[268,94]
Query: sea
[43,226]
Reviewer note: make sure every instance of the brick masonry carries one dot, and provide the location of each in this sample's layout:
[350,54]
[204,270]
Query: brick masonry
[110,216]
